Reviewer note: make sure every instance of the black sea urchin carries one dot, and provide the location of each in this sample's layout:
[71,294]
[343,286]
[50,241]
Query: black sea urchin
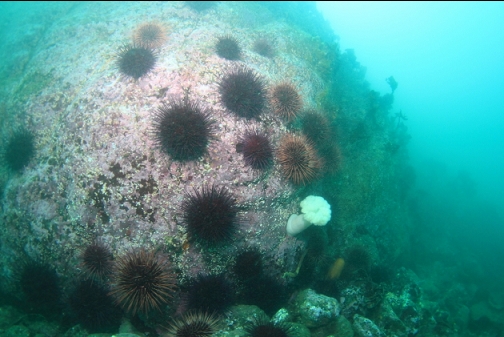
[183,130]
[286,101]
[40,285]
[256,149]
[193,324]
[142,282]
[298,159]
[315,127]
[261,327]
[97,261]
[266,293]
[150,35]
[19,150]
[211,215]
[264,48]
[227,47]
[248,264]
[210,293]
[358,257]
[94,309]
[243,92]
[135,61]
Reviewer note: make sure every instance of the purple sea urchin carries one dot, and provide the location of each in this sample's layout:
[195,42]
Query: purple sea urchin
[256,149]
[135,61]
[227,47]
[183,129]
[243,92]
[210,293]
[358,257]
[298,159]
[19,150]
[261,327]
[150,35]
[94,309]
[193,324]
[264,48]
[40,285]
[315,127]
[286,101]
[266,293]
[248,264]
[211,215]
[142,282]
[97,261]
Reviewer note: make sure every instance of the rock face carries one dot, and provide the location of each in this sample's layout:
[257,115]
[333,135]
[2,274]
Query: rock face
[315,310]
[99,172]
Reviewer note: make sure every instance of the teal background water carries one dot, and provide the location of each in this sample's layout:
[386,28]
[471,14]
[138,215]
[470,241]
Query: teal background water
[447,58]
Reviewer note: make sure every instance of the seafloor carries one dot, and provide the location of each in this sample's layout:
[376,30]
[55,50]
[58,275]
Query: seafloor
[99,176]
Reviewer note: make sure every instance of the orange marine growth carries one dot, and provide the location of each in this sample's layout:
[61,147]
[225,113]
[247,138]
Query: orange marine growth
[336,269]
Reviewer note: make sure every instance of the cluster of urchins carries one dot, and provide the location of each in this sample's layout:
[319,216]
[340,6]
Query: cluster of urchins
[183,128]
[141,284]
[144,286]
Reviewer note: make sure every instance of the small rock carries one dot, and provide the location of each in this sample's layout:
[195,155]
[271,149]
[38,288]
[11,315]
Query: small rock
[343,328]
[298,330]
[315,310]
[364,327]
[340,328]
[281,315]
[239,316]
[387,316]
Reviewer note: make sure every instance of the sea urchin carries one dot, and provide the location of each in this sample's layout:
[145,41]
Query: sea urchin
[264,48]
[193,324]
[261,327]
[183,129]
[19,150]
[93,308]
[150,35]
[298,159]
[243,92]
[227,47]
[97,261]
[315,127]
[285,101]
[210,293]
[256,149]
[248,264]
[142,282]
[211,215]
[135,61]
[40,285]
